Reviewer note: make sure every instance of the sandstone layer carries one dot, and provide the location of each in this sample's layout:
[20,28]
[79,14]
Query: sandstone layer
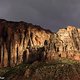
[66,43]
[22,42]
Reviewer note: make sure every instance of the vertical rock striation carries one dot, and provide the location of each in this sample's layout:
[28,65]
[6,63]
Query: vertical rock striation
[16,40]
[22,42]
[67,42]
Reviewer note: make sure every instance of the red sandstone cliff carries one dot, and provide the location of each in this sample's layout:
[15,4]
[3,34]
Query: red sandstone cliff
[16,37]
[24,42]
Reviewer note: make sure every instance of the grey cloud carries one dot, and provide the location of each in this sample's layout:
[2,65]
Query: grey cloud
[50,14]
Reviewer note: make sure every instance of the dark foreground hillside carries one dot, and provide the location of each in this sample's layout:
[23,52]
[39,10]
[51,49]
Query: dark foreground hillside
[60,69]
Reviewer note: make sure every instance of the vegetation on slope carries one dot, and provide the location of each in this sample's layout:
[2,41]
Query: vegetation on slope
[60,69]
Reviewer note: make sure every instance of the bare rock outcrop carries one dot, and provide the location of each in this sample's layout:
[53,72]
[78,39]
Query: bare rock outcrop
[66,43]
[22,42]
[17,39]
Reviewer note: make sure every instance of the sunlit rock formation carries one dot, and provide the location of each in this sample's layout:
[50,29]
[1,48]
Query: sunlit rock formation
[16,38]
[22,42]
[67,43]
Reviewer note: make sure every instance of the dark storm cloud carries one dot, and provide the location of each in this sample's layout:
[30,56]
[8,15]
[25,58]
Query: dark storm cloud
[51,14]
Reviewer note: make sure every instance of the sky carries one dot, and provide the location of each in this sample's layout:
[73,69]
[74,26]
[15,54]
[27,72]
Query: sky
[50,14]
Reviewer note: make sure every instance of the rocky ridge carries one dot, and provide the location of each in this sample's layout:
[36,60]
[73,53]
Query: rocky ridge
[22,42]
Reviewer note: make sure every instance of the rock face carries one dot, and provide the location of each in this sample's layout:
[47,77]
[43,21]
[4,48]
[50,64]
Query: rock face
[16,40]
[22,42]
[70,38]
[67,42]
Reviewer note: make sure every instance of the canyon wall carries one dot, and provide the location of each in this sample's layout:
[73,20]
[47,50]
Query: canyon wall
[24,42]
[66,43]
[16,38]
